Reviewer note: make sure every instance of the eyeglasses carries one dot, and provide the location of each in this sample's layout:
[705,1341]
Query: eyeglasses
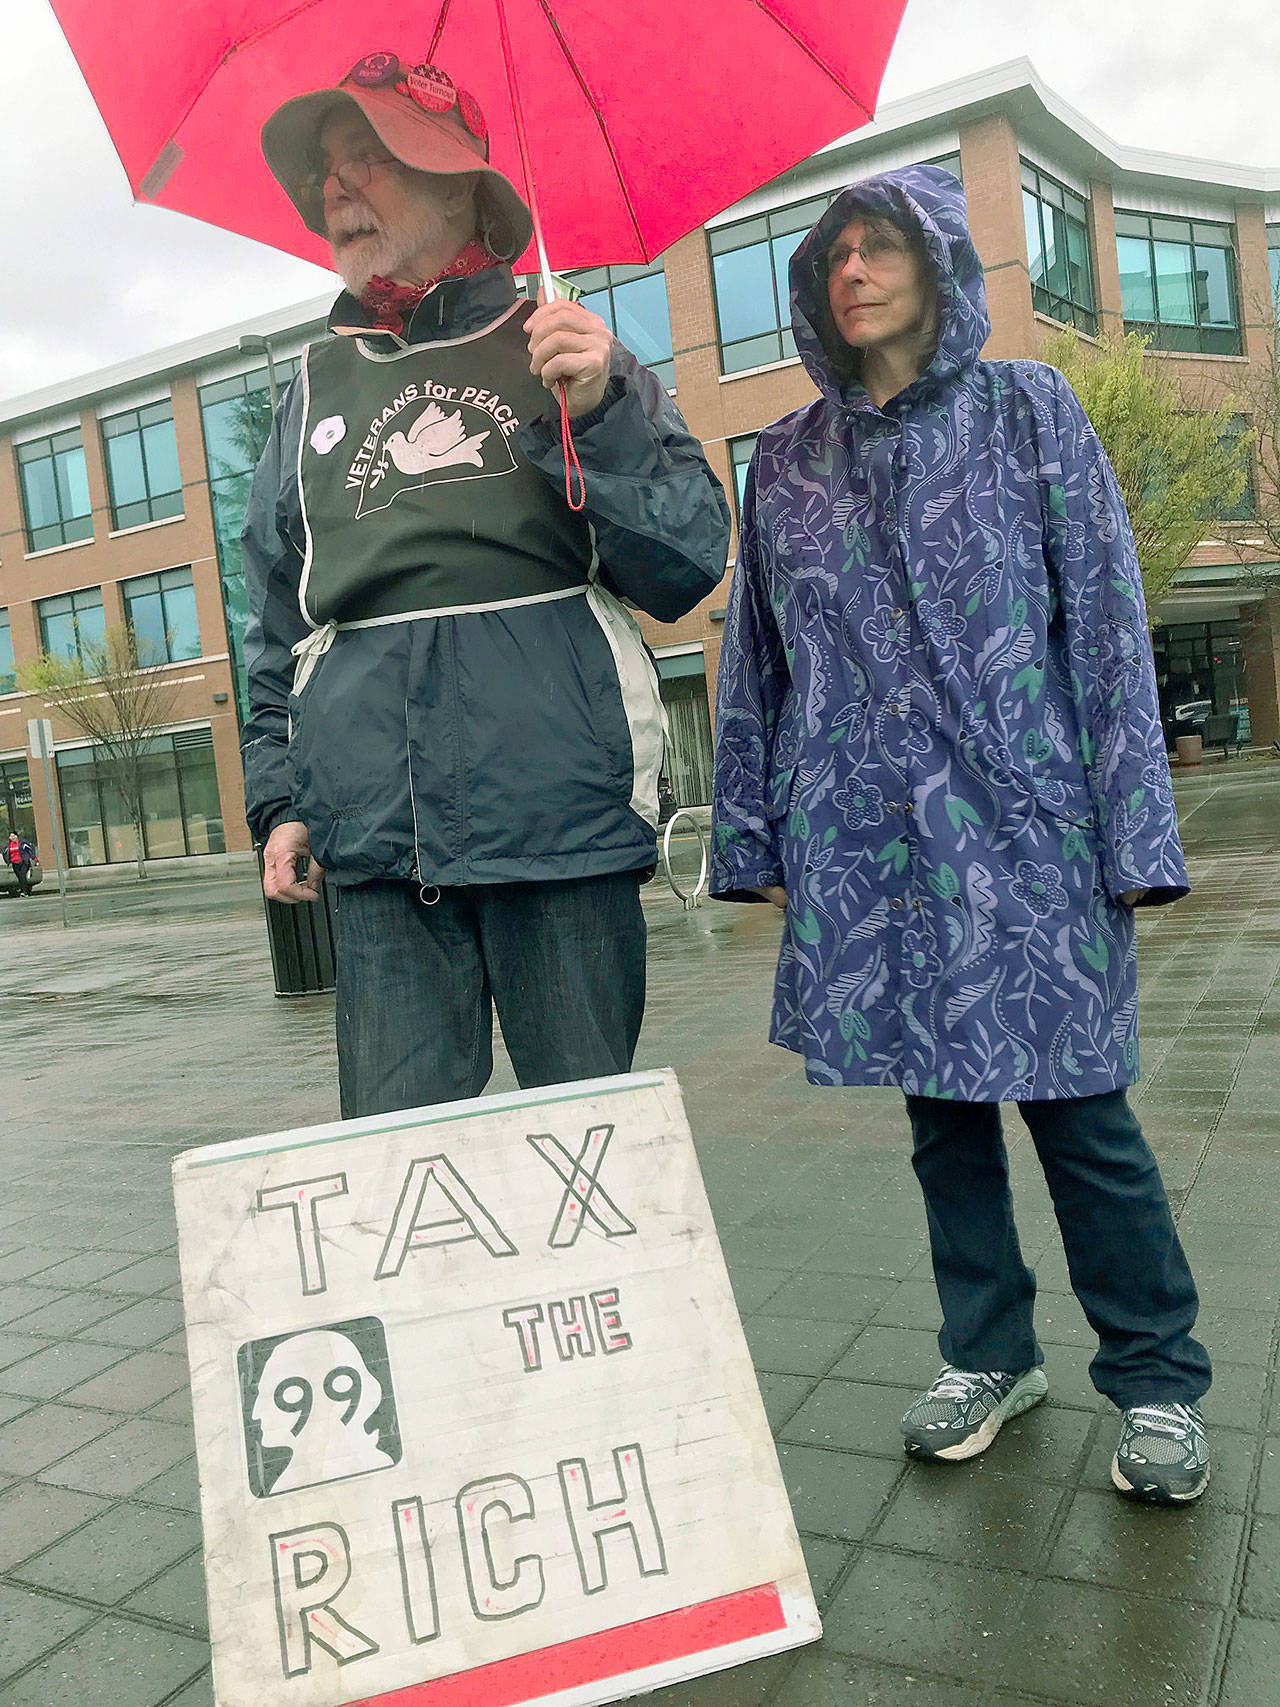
[876,250]
[353,175]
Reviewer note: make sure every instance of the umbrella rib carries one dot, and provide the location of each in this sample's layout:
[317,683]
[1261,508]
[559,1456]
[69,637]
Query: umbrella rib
[441,16]
[868,107]
[581,81]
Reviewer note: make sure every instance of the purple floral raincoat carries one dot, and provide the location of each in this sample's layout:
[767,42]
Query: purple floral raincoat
[937,722]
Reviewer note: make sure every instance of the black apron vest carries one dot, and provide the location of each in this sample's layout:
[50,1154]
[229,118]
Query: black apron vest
[414,497]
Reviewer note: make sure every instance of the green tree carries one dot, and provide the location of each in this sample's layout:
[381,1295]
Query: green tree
[1179,469]
[117,699]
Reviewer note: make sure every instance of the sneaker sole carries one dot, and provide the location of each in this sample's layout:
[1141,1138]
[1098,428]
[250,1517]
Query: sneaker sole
[1021,1397]
[1152,1495]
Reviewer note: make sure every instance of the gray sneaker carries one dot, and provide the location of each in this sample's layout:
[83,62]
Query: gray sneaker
[1162,1455]
[964,1410]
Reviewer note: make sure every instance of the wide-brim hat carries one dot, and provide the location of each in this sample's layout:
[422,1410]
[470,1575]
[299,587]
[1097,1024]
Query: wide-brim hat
[422,118]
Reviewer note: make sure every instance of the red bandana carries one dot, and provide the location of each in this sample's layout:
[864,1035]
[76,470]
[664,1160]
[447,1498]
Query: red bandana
[390,304]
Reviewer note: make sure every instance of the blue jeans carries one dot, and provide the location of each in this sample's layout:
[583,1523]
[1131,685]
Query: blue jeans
[417,981]
[1126,1263]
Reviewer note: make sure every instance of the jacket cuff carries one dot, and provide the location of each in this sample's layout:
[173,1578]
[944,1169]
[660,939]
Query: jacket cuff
[544,430]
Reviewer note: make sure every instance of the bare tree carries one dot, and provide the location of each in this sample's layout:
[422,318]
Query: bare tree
[1260,397]
[117,699]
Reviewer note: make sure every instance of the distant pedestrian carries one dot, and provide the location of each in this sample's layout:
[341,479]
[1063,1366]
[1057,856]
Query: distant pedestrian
[20,854]
[939,750]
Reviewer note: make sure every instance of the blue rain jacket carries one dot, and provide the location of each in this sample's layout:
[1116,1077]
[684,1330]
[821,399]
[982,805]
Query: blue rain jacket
[937,722]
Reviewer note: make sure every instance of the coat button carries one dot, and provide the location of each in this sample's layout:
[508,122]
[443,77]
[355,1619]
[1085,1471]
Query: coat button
[896,904]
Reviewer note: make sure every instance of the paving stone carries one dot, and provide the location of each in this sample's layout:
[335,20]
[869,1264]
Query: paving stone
[852,1298]
[1260,1597]
[1186,1553]
[15,1346]
[783,1345]
[1235,1336]
[138,1664]
[135,1384]
[971,1514]
[1046,1444]
[32,1516]
[823,1679]
[177,1407]
[142,1324]
[55,1370]
[45,1433]
[197,1694]
[752,1286]
[1097,1646]
[86,1268]
[19,1301]
[68,1313]
[1235,1400]
[177,1596]
[113,1554]
[30,1624]
[1253,1664]
[148,1277]
[782,1395]
[853,1416]
[27,1261]
[825,1559]
[836,1494]
[868,1254]
[178,1486]
[913,1304]
[124,1460]
[921,1613]
[902,1356]
[742,1686]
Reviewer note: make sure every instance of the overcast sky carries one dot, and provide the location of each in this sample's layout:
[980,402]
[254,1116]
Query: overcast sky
[89,279]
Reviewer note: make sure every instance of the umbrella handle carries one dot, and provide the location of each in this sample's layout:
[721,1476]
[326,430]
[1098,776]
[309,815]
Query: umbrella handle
[544,265]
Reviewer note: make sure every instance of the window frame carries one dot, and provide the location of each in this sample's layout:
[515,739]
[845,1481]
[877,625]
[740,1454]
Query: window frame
[157,504]
[49,448]
[804,217]
[75,610]
[733,445]
[8,675]
[165,581]
[1067,310]
[665,369]
[1201,337]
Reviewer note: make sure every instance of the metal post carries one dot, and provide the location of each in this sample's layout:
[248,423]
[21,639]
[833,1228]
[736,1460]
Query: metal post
[40,735]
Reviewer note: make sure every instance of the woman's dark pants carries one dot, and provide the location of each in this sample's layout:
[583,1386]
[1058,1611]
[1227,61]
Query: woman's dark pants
[1123,1254]
[417,982]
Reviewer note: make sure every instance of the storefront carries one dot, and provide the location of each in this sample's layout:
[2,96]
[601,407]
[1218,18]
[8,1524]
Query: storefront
[15,799]
[180,809]
[683,681]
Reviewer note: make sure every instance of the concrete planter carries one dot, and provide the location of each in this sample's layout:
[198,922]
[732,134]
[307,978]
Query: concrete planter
[1189,749]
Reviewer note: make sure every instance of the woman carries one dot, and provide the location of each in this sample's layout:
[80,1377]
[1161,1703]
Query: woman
[939,751]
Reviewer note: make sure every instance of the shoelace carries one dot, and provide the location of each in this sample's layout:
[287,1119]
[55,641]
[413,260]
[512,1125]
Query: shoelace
[1182,1417]
[963,1383]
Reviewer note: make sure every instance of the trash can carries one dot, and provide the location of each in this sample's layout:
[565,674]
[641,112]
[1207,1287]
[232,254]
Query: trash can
[301,939]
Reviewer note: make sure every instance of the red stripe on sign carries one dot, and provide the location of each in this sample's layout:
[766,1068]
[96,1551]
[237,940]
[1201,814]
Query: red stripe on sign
[608,1654]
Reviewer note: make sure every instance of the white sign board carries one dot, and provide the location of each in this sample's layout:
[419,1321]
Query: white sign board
[476,1420]
[40,737]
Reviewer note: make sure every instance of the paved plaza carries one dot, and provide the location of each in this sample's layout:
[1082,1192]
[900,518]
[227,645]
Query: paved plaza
[150,1026]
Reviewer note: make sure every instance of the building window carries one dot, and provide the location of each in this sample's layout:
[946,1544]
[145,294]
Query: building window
[8,679]
[16,810]
[632,302]
[1058,259]
[72,624]
[1178,282]
[749,262]
[55,490]
[181,813]
[682,679]
[141,453]
[235,416]
[951,163]
[1273,251]
[740,458]
[1246,505]
[161,613]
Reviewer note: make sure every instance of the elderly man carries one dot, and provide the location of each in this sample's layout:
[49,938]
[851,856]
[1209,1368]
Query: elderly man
[453,714]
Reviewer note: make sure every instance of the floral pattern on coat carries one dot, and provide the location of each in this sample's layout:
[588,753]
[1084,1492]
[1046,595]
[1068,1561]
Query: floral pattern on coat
[937,723]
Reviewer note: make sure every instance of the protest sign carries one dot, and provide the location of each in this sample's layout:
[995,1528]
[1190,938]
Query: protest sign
[477,1424]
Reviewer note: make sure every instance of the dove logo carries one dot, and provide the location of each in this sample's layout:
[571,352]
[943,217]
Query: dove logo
[418,447]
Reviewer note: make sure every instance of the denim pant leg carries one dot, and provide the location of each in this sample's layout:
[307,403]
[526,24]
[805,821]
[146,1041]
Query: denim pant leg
[566,966]
[414,1017]
[986,1290]
[1126,1263]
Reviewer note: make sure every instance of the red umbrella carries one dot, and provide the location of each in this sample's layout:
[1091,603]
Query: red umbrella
[643,118]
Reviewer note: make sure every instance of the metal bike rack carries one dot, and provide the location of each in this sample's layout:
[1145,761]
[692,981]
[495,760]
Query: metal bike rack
[693,897]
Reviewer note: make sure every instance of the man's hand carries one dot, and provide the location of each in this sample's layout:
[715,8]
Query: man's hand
[286,845]
[567,342]
[773,892]
[1131,897]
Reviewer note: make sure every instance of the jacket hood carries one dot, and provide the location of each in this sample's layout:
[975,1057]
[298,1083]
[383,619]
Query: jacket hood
[932,199]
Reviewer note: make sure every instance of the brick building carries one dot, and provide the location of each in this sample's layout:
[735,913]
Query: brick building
[121,493]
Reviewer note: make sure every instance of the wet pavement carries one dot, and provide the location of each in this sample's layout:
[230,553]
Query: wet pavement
[150,1026]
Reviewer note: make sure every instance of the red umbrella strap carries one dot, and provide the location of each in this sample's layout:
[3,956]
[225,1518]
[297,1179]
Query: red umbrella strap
[570,456]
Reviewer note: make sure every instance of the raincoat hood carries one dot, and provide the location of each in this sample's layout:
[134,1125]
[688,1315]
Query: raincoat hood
[932,199]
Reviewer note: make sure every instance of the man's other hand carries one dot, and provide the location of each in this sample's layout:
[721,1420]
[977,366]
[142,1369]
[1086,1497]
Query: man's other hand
[1131,897]
[568,342]
[286,845]
[774,892]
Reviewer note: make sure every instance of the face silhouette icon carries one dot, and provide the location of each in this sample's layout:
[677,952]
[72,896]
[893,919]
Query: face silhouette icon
[316,1396]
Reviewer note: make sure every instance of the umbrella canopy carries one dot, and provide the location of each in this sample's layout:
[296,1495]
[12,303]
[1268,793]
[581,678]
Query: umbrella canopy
[642,120]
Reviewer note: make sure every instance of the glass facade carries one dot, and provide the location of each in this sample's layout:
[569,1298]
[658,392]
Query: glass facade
[1200,672]
[1246,505]
[632,301]
[1178,282]
[749,262]
[55,490]
[8,680]
[1273,251]
[235,416]
[682,680]
[740,457]
[161,612]
[180,808]
[1058,258]
[71,623]
[141,454]
[16,810]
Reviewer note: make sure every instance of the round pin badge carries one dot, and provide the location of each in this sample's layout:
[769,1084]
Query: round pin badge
[472,117]
[431,88]
[374,70]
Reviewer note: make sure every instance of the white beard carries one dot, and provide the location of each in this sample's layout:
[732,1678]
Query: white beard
[384,252]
